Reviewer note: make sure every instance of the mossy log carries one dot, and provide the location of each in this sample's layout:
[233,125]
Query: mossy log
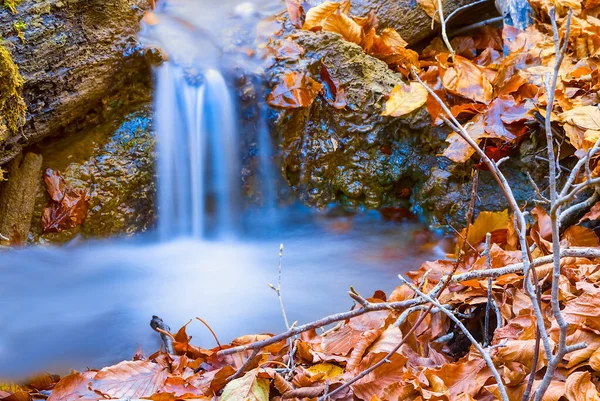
[18,195]
[71,55]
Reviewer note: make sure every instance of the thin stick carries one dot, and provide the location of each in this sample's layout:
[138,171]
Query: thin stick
[477,25]
[211,330]
[555,211]
[443,24]
[488,307]
[278,288]
[588,253]
[294,330]
[241,370]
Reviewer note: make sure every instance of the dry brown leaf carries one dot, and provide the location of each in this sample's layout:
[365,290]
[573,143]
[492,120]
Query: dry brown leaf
[74,386]
[405,99]
[593,214]
[430,7]
[587,117]
[130,379]
[345,26]
[317,15]
[294,90]
[466,79]
[250,387]
[580,236]
[579,387]
[296,12]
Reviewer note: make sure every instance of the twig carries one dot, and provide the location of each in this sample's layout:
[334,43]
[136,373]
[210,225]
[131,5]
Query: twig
[554,360]
[294,330]
[278,288]
[463,8]
[440,11]
[586,204]
[589,253]
[211,331]
[241,370]
[488,258]
[485,355]
[477,25]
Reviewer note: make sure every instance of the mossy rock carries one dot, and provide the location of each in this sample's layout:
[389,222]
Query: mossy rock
[12,105]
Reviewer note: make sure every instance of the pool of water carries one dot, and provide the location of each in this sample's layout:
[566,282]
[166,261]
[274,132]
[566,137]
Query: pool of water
[90,304]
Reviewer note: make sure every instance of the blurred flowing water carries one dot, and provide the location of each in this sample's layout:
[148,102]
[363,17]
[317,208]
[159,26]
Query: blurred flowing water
[88,304]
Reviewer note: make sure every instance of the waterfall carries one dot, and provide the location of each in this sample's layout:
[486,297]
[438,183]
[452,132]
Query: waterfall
[199,191]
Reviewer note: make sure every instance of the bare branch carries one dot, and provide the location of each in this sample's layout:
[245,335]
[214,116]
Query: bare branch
[555,211]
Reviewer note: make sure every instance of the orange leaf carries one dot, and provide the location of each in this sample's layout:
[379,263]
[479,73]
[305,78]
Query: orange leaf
[68,208]
[405,99]
[345,26]
[130,379]
[294,90]
[430,7]
[74,387]
[317,15]
[296,12]
[466,79]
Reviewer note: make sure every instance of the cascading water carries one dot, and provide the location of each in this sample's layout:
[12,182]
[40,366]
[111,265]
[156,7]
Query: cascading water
[198,154]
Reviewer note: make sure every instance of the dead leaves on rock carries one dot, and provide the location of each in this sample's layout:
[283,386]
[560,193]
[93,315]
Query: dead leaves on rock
[330,16]
[405,99]
[294,90]
[68,207]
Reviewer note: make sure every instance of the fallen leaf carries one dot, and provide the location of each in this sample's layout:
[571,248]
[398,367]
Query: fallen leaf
[579,387]
[296,12]
[130,379]
[587,117]
[466,79]
[430,7]
[294,90]
[68,208]
[335,93]
[345,26]
[405,99]
[247,388]
[593,214]
[317,15]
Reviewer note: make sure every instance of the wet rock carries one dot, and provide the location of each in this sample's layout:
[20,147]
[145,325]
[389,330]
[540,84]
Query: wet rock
[358,158]
[17,197]
[114,161]
[355,155]
[71,54]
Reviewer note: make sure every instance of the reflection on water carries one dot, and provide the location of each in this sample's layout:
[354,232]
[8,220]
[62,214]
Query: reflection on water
[90,304]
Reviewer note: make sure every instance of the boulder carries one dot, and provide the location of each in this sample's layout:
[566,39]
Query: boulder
[361,159]
[70,54]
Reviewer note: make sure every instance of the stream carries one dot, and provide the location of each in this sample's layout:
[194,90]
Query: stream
[90,304]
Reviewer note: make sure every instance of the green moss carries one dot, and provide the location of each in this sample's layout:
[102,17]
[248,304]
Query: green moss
[20,28]
[12,5]
[12,105]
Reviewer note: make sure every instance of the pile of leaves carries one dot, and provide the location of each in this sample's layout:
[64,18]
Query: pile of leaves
[435,362]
